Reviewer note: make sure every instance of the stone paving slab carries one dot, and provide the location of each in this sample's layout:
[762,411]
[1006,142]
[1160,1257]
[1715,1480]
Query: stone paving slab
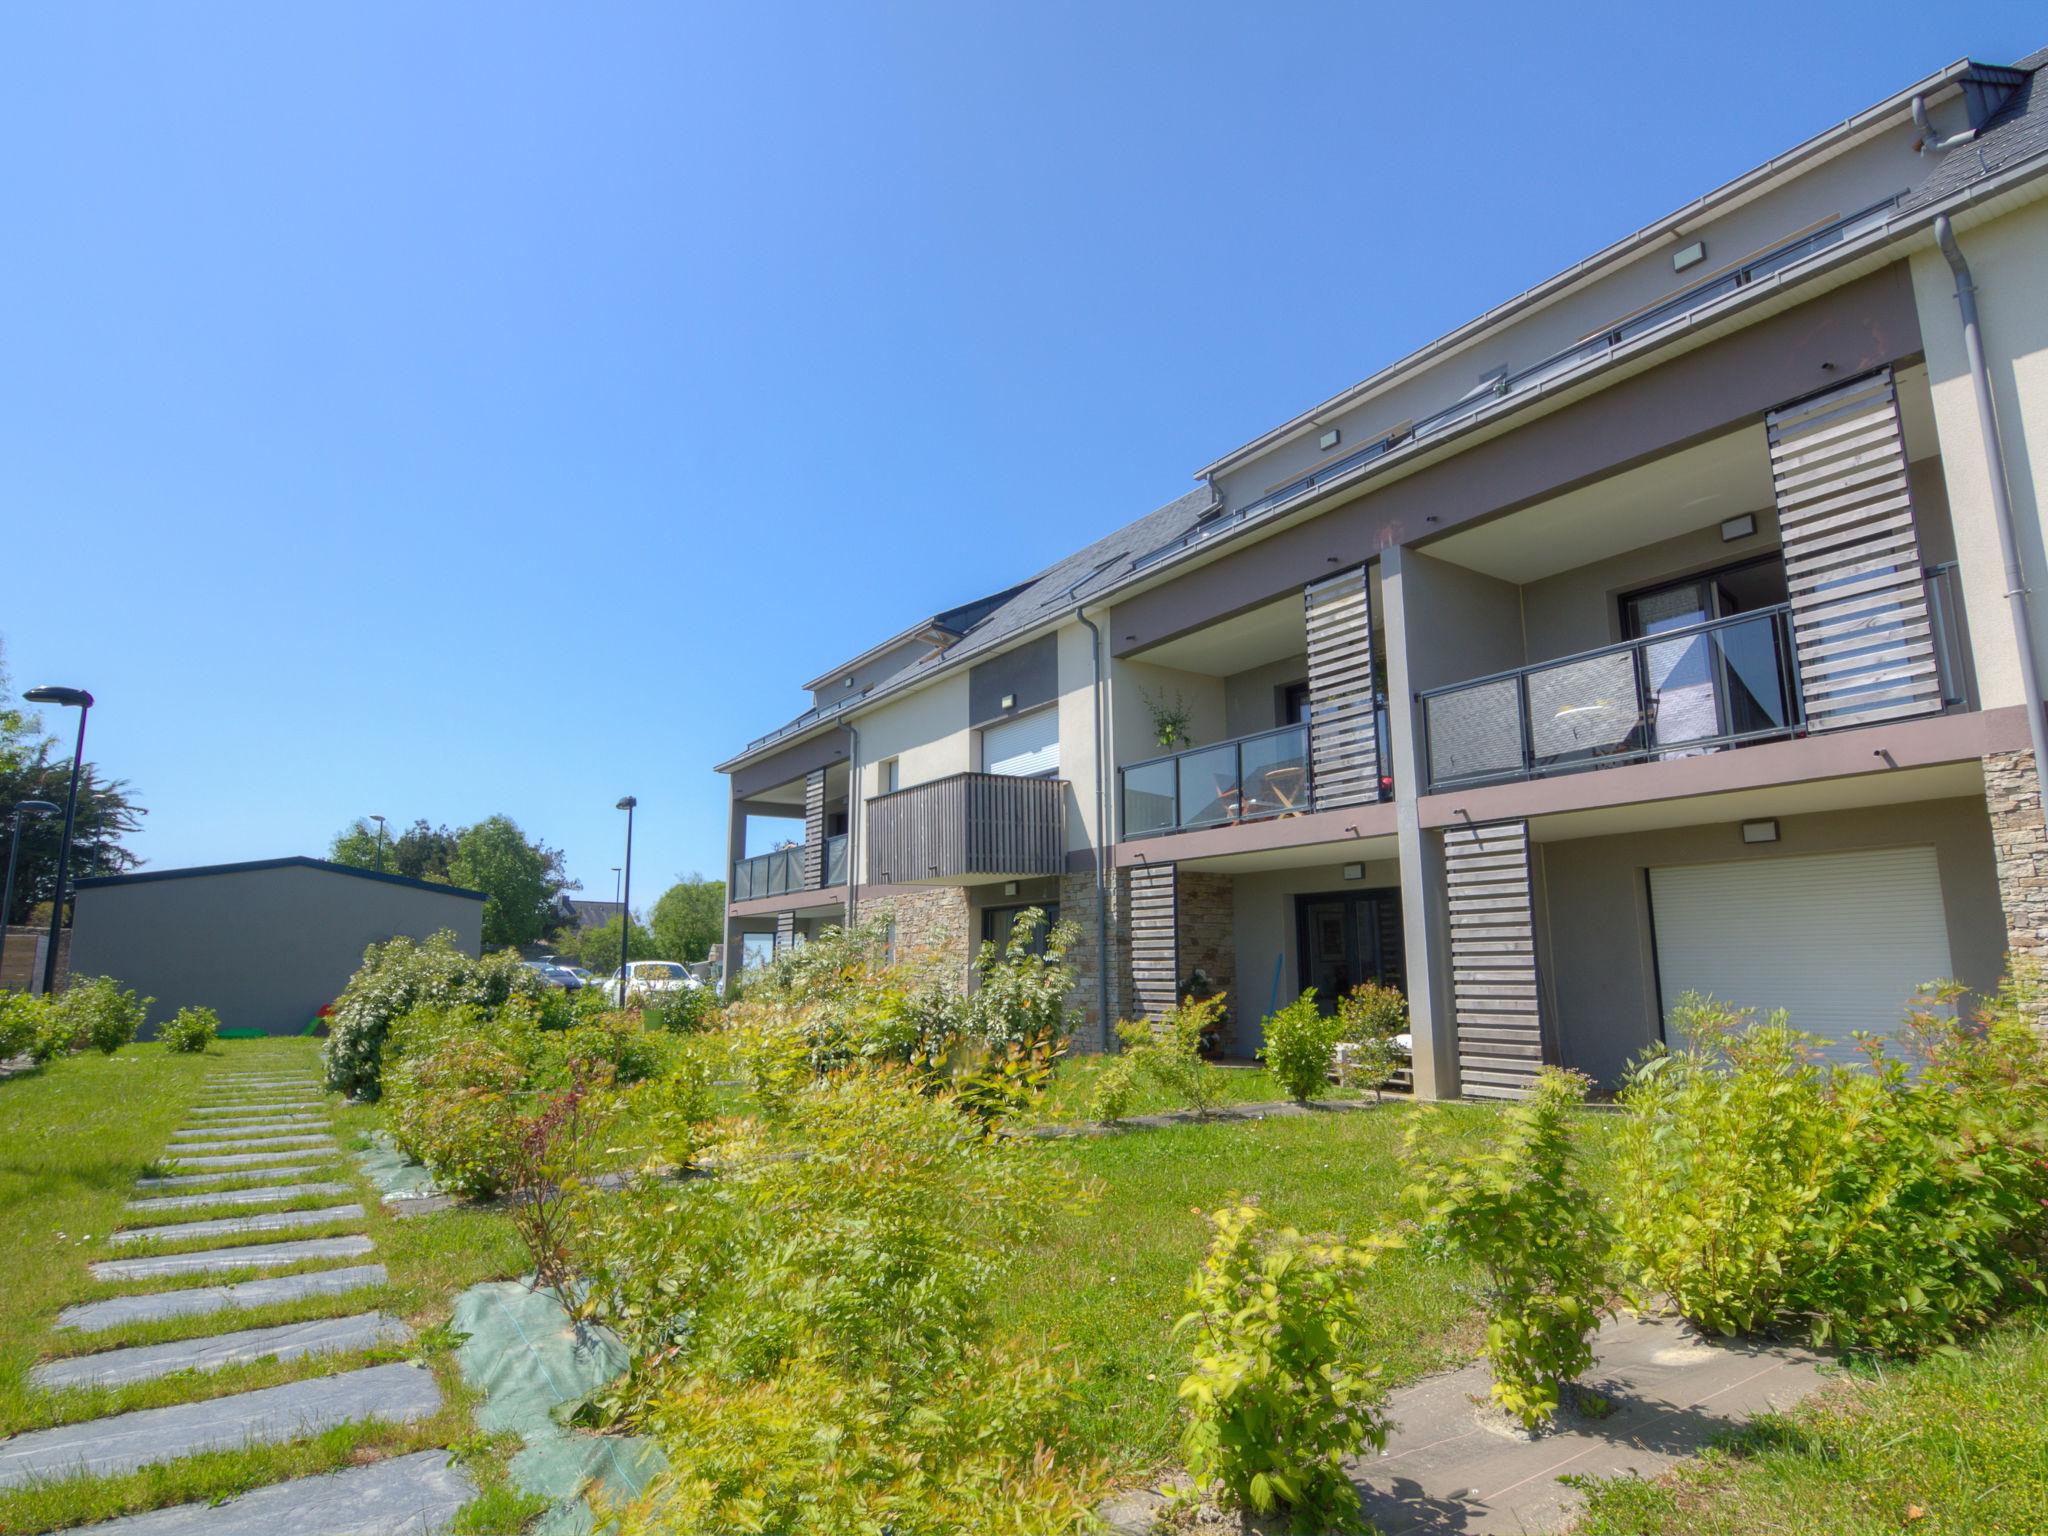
[262,1194]
[324,1164]
[215,1108]
[1454,1465]
[415,1495]
[289,1341]
[231,1226]
[253,1161]
[391,1394]
[118,1311]
[254,1255]
[251,1144]
[282,1126]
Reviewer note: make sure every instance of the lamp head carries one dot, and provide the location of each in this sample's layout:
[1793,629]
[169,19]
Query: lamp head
[626,804]
[35,808]
[69,698]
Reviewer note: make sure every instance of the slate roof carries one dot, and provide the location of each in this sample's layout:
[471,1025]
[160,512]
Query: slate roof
[594,914]
[2017,131]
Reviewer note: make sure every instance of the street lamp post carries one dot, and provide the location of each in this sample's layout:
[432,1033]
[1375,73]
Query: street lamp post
[79,699]
[26,808]
[380,843]
[626,896]
[615,885]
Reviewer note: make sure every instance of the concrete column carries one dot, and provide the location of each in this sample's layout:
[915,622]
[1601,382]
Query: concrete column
[1425,931]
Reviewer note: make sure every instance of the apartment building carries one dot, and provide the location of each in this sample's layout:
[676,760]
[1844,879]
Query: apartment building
[1651,632]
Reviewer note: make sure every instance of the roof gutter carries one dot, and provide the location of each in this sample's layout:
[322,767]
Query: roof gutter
[2016,596]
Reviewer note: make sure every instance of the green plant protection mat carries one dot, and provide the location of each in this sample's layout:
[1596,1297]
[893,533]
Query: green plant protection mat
[241,1034]
[392,1171]
[533,1362]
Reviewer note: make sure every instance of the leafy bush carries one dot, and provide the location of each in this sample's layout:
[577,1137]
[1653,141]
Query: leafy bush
[1764,1189]
[1281,1389]
[1021,996]
[555,1152]
[24,1025]
[400,975]
[1369,1016]
[1301,1047]
[100,1012]
[1519,1212]
[633,1052]
[1170,1051]
[684,1012]
[453,1092]
[1116,1086]
[190,1030]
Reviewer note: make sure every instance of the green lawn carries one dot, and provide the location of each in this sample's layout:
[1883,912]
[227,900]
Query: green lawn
[1953,1445]
[1066,1100]
[78,1133]
[1109,1281]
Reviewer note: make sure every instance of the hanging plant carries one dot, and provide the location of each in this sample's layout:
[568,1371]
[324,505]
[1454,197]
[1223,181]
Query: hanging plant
[1169,721]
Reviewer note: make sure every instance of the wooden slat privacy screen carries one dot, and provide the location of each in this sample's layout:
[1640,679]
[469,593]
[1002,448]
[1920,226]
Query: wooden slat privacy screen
[785,931]
[1155,938]
[1493,960]
[814,829]
[1343,746]
[1852,556]
[985,824]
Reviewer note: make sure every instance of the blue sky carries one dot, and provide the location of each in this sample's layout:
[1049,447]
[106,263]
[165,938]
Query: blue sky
[440,410]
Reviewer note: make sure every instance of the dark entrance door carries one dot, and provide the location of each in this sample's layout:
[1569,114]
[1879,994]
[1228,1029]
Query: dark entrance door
[1346,938]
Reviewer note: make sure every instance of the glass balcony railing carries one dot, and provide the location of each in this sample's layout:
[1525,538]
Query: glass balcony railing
[1675,694]
[768,874]
[835,860]
[1242,780]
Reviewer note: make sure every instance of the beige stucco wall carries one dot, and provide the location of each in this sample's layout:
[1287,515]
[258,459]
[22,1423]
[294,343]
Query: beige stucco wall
[1595,945]
[2009,260]
[1266,932]
[1077,729]
[1251,698]
[925,731]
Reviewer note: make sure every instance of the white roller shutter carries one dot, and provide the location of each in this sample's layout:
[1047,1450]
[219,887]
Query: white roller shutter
[1027,747]
[1839,940]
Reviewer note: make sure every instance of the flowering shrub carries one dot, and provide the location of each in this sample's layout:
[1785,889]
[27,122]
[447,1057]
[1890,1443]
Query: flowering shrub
[1020,995]
[1519,1212]
[1301,1047]
[190,1030]
[1281,1389]
[100,1012]
[1369,1016]
[26,1027]
[399,975]
[454,1092]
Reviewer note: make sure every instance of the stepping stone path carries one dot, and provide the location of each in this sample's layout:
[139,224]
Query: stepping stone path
[259,1139]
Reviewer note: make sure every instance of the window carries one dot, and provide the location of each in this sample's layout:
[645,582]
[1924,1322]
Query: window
[1027,747]
[885,771]
[1294,704]
[996,923]
[756,950]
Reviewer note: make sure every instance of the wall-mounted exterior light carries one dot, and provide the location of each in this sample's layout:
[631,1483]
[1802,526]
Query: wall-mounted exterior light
[1760,831]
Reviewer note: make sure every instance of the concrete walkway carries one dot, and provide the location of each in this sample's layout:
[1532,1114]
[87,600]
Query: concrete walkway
[1455,1465]
[252,1143]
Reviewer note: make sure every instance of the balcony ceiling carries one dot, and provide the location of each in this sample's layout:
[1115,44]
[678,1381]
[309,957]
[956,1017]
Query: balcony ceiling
[1677,494]
[1253,638]
[792,793]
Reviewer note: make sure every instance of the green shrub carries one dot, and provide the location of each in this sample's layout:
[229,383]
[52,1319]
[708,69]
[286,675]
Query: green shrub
[400,975]
[190,1030]
[686,1011]
[1764,1189]
[454,1091]
[618,1038]
[1301,1047]
[1116,1086]
[1518,1211]
[100,1012]
[1020,995]
[24,1025]
[1369,1016]
[1282,1389]
[1169,1052]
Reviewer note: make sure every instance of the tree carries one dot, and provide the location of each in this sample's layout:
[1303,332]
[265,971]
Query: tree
[30,770]
[689,918]
[419,853]
[598,948]
[519,877]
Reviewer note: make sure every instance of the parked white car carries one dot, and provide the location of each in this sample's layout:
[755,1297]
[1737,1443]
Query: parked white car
[649,976]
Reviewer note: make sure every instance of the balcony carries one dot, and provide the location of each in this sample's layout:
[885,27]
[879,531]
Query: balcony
[835,860]
[967,828]
[1706,687]
[1251,778]
[768,874]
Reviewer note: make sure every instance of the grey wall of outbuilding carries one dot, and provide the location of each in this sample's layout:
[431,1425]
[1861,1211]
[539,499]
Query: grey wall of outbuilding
[263,948]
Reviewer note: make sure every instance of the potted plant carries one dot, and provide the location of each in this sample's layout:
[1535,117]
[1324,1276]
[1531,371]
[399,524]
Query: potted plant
[1169,721]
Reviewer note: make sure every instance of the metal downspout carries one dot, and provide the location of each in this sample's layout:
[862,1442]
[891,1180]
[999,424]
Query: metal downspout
[1101,838]
[2001,499]
[852,820]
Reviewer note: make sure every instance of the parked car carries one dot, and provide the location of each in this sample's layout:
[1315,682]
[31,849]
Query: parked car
[648,976]
[556,975]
